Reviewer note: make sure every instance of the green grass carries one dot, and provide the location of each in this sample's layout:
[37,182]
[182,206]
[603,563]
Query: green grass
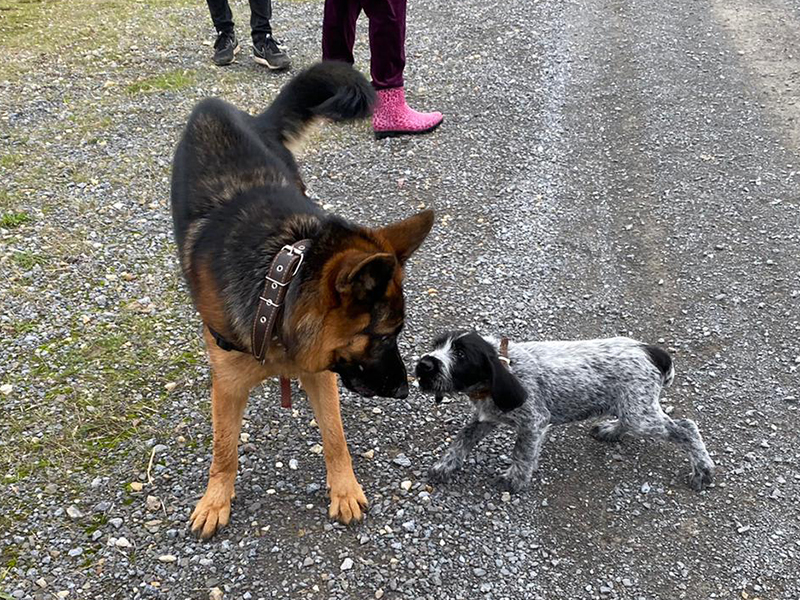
[109,380]
[13,220]
[9,161]
[169,81]
[27,260]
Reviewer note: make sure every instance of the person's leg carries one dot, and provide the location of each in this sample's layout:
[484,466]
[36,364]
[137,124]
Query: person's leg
[260,15]
[226,46]
[387,41]
[265,49]
[221,15]
[339,29]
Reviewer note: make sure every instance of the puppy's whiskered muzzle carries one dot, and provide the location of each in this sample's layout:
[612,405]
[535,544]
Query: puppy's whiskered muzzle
[426,367]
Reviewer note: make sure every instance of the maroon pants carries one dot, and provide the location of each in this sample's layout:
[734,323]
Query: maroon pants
[387,36]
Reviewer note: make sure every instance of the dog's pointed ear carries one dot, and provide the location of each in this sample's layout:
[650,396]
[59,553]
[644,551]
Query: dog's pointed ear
[506,390]
[364,277]
[407,235]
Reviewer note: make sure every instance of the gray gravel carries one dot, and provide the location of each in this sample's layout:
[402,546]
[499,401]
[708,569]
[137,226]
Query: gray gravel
[604,168]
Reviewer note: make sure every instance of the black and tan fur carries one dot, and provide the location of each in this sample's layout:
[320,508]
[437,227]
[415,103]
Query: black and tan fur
[237,198]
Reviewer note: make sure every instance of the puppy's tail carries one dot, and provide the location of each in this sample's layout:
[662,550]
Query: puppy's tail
[663,362]
[330,89]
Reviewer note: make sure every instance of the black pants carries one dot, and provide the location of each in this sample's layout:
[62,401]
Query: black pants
[260,14]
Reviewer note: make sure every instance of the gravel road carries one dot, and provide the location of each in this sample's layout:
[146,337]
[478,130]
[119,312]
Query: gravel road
[605,167]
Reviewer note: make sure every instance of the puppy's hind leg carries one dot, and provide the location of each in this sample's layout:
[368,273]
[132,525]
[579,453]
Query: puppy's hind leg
[458,451]
[607,431]
[685,433]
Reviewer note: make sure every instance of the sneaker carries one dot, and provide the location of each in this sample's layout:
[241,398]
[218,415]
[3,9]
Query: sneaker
[225,48]
[268,53]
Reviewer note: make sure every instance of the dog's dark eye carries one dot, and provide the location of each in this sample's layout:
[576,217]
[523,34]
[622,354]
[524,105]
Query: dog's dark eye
[459,353]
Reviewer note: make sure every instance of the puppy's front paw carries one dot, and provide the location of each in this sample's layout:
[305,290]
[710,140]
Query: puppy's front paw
[441,472]
[702,477]
[513,481]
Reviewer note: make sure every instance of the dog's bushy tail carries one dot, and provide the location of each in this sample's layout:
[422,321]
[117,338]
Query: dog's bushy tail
[329,89]
[663,362]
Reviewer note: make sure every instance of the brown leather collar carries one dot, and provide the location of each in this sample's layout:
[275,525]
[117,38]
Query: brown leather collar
[281,272]
[503,352]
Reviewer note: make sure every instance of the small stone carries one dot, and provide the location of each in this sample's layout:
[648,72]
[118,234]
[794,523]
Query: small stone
[293,464]
[6,389]
[627,582]
[116,522]
[378,593]
[74,513]
[347,564]
[62,594]
[96,535]
[402,460]
[505,497]
[244,437]
[215,594]
[645,489]
[153,503]
[170,386]
[41,582]
[123,543]
[136,486]
[370,454]
[406,485]
[167,558]
[316,449]
[743,529]
[308,561]
[75,552]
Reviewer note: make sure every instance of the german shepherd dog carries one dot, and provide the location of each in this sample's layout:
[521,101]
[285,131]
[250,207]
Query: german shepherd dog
[237,199]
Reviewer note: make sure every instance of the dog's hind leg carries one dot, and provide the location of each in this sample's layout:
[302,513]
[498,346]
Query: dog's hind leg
[607,431]
[685,433]
[457,453]
[682,432]
[347,497]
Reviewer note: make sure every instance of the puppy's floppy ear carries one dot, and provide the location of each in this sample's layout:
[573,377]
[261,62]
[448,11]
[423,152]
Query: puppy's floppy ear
[407,235]
[364,277]
[506,390]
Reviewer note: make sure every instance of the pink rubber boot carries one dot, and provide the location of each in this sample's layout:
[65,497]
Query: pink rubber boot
[394,117]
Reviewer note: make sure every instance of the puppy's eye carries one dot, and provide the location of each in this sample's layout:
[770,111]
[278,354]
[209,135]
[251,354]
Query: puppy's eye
[459,353]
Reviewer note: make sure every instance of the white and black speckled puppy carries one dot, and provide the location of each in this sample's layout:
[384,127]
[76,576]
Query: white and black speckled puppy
[551,383]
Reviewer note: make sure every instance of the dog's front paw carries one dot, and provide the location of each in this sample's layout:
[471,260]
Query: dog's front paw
[213,512]
[441,472]
[702,477]
[348,501]
[513,481]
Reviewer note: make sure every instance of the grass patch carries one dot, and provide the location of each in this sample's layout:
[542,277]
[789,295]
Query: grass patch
[14,219]
[105,385]
[9,161]
[27,260]
[169,81]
